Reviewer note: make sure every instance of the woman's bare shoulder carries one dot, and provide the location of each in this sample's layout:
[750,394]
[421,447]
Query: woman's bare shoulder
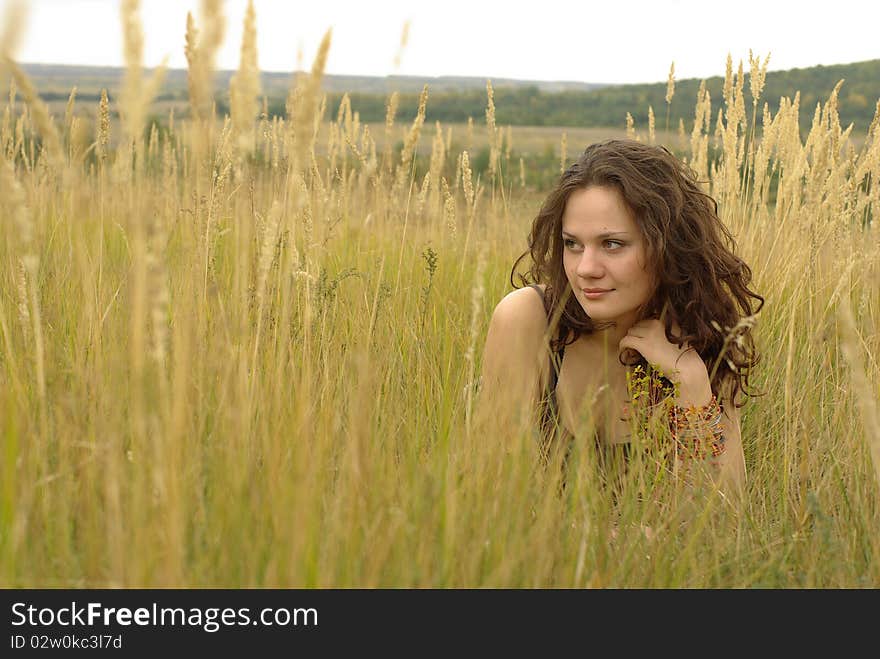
[512,358]
[523,310]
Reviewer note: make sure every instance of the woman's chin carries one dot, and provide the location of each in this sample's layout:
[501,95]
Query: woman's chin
[606,316]
[596,312]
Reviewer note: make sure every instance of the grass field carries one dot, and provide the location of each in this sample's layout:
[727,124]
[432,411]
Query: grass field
[243,354]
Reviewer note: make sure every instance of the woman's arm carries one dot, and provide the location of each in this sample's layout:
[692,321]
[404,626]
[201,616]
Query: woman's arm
[685,367]
[513,369]
[729,467]
[731,464]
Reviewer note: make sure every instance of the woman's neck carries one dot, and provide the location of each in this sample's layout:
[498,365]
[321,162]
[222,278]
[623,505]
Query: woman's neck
[608,339]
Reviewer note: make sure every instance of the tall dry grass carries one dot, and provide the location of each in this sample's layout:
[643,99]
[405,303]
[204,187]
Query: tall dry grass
[260,367]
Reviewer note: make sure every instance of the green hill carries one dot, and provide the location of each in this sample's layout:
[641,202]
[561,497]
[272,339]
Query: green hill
[608,106]
[454,99]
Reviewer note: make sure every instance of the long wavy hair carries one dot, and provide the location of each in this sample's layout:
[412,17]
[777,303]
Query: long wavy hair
[701,284]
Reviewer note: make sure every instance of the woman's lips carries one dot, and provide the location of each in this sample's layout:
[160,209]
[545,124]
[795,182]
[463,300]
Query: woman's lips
[595,293]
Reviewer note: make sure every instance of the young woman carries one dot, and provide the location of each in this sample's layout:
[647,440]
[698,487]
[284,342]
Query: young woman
[632,272]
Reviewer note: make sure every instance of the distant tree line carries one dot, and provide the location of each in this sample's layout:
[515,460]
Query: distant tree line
[528,106]
[607,106]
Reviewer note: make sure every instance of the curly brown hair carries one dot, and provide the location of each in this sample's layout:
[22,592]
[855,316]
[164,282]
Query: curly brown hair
[701,284]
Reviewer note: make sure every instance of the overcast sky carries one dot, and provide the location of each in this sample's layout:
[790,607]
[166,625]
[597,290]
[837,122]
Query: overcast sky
[608,41]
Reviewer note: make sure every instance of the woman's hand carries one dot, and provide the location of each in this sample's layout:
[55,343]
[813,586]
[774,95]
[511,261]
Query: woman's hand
[680,365]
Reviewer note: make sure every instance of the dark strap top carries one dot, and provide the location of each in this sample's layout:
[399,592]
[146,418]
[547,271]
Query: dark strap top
[550,419]
[550,409]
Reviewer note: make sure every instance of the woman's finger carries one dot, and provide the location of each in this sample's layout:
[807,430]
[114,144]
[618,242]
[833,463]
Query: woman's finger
[631,342]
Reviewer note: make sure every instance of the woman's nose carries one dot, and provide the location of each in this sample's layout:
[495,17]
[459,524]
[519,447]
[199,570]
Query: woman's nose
[590,266]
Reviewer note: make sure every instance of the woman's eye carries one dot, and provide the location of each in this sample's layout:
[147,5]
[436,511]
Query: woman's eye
[612,245]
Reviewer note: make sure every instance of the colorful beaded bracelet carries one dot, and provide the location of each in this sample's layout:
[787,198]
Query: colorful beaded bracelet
[695,426]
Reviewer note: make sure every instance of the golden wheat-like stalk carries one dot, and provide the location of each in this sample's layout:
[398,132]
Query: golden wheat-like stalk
[13,28]
[490,126]
[467,181]
[422,196]
[404,39]
[563,152]
[103,137]
[727,89]
[699,161]
[24,314]
[757,75]
[477,294]
[268,246]
[448,207]
[412,140]
[201,47]
[14,196]
[131,108]
[213,32]
[244,87]
[390,112]
[670,84]
[194,80]
[40,113]
[69,109]
[7,132]
[438,162]
[306,115]
[157,289]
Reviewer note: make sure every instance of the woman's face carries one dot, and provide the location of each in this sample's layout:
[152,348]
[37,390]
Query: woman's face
[603,250]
